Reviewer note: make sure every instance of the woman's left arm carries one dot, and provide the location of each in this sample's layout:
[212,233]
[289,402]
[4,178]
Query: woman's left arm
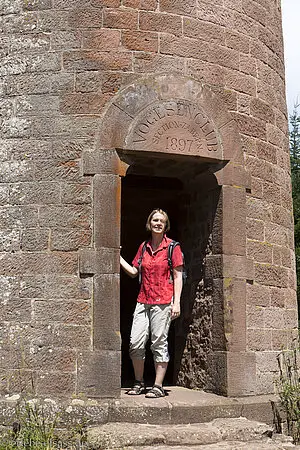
[177,272]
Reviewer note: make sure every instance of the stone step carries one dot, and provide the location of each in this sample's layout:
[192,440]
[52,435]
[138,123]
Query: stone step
[217,434]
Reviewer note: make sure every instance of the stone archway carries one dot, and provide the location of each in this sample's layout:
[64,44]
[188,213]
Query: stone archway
[180,118]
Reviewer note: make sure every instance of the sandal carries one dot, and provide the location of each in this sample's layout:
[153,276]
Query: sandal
[156,392]
[137,389]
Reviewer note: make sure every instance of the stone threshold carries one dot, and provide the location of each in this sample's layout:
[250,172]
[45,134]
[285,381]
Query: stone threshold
[180,406]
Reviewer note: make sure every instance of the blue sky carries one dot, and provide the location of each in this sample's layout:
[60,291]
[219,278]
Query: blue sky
[291,34]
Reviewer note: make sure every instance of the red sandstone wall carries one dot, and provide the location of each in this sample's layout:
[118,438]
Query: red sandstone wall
[61,62]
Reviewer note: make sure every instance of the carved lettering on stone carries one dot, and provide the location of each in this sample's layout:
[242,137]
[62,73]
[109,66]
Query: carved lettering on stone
[175,126]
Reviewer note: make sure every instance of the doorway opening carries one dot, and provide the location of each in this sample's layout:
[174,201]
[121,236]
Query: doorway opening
[190,195]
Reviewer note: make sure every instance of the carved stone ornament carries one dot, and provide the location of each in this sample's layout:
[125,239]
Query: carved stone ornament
[175,126]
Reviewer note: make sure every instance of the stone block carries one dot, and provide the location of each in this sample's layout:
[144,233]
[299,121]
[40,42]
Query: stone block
[15,127]
[278,296]
[267,361]
[71,312]
[202,30]
[45,359]
[188,8]
[274,318]
[86,17]
[63,40]
[34,193]
[241,370]
[271,193]
[9,240]
[258,295]
[290,318]
[242,83]
[107,191]
[32,286]
[69,216]
[70,149]
[270,275]
[184,46]
[12,217]
[279,340]
[265,382]
[64,127]
[60,335]
[250,126]
[106,311]
[260,251]
[16,310]
[234,216]
[65,287]
[262,110]
[204,71]
[56,384]
[71,239]
[258,209]
[80,60]
[259,340]
[103,162]
[100,261]
[34,239]
[36,5]
[150,21]
[235,314]
[103,40]
[140,41]
[255,229]
[38,263]
[276,234]
[86,103]
[99,374]
[76,193]
[124,19]
[248,64]
[237,41]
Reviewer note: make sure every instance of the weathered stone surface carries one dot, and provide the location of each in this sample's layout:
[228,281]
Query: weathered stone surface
[78,81]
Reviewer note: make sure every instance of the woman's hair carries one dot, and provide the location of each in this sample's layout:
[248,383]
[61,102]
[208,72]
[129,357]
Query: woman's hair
[160,211]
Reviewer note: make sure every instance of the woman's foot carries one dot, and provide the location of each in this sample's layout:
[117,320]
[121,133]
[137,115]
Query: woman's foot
[156,392]
[138,388]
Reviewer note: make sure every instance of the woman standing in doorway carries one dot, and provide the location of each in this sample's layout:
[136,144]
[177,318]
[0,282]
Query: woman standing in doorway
[158,301]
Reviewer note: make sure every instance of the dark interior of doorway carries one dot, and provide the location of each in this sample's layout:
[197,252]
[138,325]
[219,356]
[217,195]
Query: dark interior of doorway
[140,195]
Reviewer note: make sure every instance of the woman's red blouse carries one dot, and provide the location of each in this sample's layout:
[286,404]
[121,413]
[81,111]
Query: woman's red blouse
[157,287]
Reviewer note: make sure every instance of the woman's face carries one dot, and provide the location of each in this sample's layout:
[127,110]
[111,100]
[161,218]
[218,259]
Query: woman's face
[158,223]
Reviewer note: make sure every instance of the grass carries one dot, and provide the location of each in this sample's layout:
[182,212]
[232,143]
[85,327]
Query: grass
[36,429]
[288,387]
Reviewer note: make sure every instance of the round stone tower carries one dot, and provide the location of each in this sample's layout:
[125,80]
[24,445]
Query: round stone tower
[110,108]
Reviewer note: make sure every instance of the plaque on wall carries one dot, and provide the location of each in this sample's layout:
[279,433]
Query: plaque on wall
[175,126]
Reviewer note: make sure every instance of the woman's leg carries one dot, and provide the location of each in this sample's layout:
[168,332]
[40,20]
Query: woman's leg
[160,320]
[138,339]
[160,372]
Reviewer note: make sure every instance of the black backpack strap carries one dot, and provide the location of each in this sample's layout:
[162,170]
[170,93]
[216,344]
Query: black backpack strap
[140,261]
[171,247]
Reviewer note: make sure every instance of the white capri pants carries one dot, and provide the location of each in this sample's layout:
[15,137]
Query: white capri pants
[154,320]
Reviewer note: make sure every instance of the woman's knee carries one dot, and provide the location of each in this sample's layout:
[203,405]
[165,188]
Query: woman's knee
[137,352]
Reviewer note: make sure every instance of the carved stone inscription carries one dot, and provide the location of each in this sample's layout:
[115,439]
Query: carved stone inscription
[175,126]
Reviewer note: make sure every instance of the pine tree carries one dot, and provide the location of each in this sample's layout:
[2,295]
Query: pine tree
[295,169]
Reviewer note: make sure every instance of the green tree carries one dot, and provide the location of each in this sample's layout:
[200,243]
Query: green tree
[295,170]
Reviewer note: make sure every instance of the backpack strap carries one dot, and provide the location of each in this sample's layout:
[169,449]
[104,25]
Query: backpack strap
[171,247]
[140,261]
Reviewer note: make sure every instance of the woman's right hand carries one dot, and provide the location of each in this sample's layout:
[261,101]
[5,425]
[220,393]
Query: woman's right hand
[130,270]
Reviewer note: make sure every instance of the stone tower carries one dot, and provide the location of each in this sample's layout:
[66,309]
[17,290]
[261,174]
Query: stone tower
[110,108]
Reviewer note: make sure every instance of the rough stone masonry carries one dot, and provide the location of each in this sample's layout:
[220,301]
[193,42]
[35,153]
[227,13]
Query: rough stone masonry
[95,91]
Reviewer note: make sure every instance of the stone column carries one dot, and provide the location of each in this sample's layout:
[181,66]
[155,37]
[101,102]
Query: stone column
[233,368]
[100,369]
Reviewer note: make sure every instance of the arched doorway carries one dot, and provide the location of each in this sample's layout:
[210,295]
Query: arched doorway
[171,127]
